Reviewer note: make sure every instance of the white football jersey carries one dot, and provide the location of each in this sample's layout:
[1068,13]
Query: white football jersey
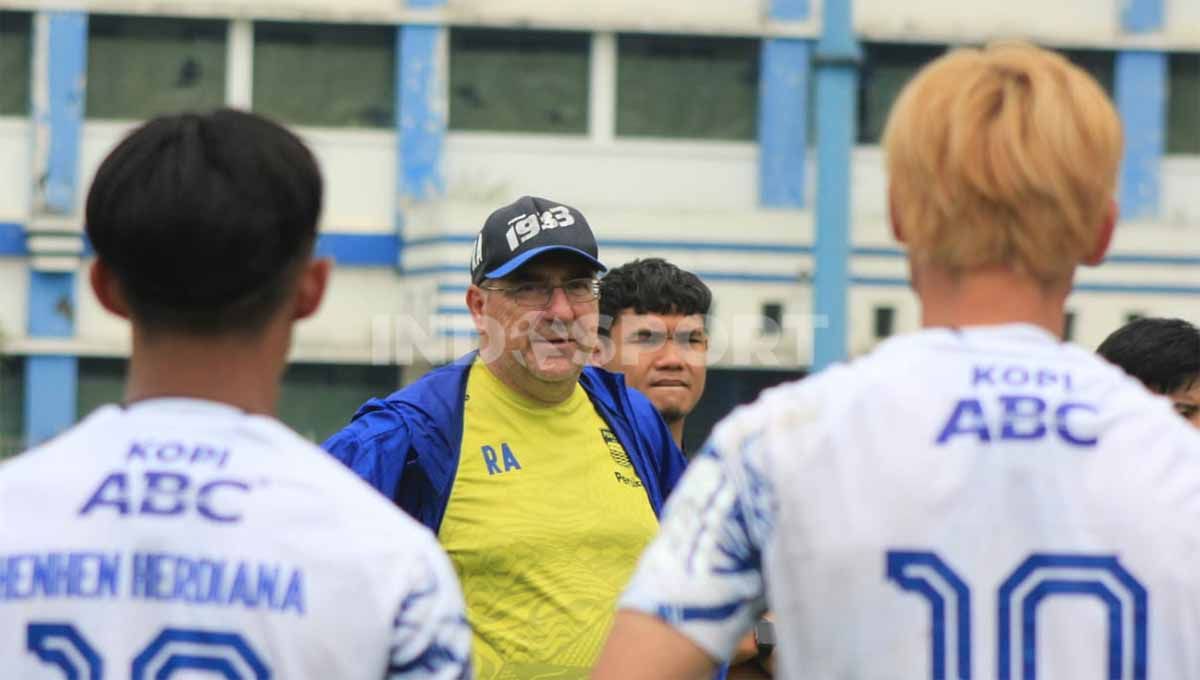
[980,503]
[179,538]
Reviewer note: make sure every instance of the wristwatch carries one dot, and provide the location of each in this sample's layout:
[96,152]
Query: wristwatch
[764,638]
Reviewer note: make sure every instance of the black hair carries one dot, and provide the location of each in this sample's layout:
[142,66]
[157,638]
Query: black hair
[204,219]
[1164,354]
[651,286]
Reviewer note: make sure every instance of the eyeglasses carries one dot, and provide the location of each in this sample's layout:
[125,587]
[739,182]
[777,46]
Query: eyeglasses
[539,295]
[695,340]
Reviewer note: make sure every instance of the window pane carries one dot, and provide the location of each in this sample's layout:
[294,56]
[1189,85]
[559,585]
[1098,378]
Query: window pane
[1183,104]
[15,58]
[318,399]
[320,74]
[519,81]
[12,406]
[885,321]
[700,88]
[101,381]
[144,66]
[726,389]
[772,318]
[1101,64]
[886,69]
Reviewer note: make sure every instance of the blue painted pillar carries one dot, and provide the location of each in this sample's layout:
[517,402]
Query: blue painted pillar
[421,114]
[783,122]
[783,112]
[1141,16]
[837,62]
[52,381]
[1141,94]
[1141,84]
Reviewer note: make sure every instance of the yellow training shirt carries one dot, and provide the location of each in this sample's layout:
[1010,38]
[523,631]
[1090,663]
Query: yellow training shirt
[545,523]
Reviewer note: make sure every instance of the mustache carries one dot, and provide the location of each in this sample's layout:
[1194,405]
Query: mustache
[577,330]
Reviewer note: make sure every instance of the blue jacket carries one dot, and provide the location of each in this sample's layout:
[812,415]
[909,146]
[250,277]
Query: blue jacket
[407,445]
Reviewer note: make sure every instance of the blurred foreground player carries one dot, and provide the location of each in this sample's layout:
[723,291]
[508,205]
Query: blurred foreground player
[977,499]
[1164,355]
[188,530]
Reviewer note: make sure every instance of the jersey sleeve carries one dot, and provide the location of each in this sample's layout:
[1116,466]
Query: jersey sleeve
[431,637]
[703,574]
[375,446]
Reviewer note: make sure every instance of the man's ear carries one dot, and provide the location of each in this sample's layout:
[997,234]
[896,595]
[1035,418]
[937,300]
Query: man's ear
[310,290]
[1104,236]
[108,289]
[475,302]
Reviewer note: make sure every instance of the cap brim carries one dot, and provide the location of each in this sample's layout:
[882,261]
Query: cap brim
[518,261]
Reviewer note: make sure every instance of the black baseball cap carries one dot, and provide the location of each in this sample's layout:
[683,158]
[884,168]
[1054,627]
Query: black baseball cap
[526,228]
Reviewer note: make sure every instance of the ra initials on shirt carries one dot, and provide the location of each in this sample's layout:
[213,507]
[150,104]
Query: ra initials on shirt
[505,457]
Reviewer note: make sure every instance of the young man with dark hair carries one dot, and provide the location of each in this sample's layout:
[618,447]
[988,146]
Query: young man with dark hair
[653,328]
[187,529]
[1164,354]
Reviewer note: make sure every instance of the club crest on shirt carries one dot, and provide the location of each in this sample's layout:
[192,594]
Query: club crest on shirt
[615,449]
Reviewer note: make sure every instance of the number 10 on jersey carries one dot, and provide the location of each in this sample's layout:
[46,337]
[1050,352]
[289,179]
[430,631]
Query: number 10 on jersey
[173,650]
[1041,576]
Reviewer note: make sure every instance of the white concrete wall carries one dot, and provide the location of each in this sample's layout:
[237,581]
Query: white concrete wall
[14,300]
[1180,178]
[724,17]
[15,167]
[340,332]
[343,329]
[1183,21]
[359,169]
[1177,234]
[98,139]
[347,327]
[643,197]
[360,178]
[625,173]
[1180,199]
[1065,22]
[657,216]
[698,16]
[1071,21]
[97,331]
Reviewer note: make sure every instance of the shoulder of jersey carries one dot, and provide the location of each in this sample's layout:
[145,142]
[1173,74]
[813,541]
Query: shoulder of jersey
[369,510]
[808,399]
[368,524]
[1135,407]
[780,410]
[1122,392]
[364,512]
[835,391]
[31,462]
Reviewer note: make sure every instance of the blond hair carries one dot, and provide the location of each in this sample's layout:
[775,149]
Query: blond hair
[1002,156]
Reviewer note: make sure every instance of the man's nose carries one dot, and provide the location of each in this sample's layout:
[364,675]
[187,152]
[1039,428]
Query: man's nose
[670,356]
[560,307]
